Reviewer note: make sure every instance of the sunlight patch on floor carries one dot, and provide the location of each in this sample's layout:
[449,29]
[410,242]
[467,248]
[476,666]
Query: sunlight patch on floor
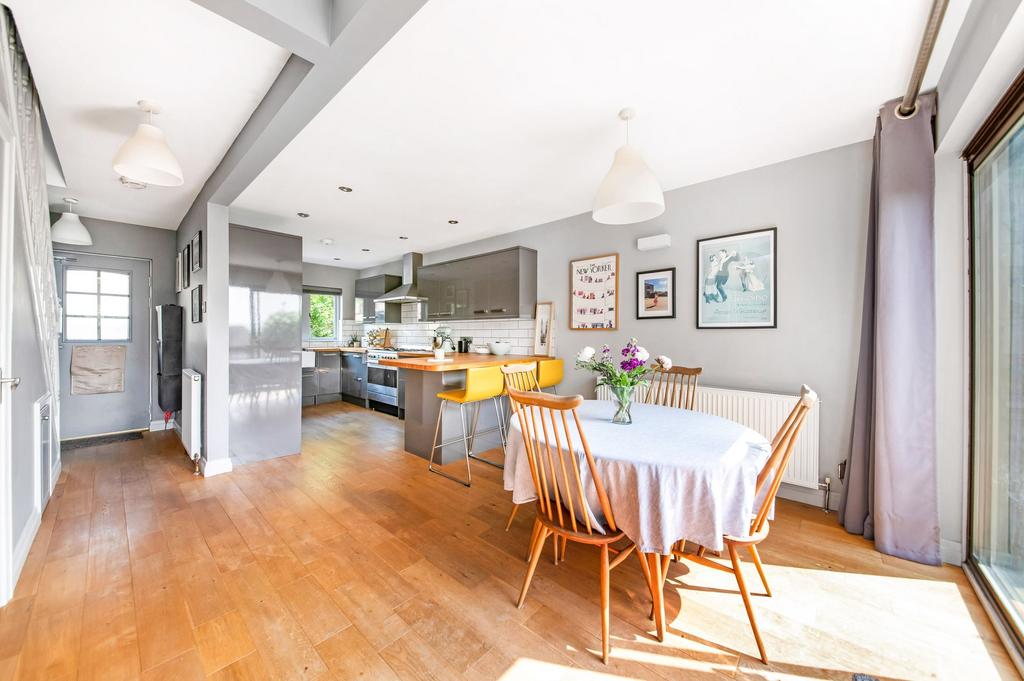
[526,669]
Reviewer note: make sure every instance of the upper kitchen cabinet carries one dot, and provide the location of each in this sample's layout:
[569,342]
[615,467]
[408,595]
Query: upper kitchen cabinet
[370,312]
[498,285]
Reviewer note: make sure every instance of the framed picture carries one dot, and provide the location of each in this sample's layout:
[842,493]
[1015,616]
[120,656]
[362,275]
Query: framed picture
[186,266]
[197,251]
[197,303]
[545,318]
[177,273]
[656,294]
[736,281]
[594,292]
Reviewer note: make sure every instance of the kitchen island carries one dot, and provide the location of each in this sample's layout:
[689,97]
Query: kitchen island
[423,379]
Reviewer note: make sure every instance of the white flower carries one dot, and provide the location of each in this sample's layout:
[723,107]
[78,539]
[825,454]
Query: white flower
[586,354]
[664,362]
[642,354]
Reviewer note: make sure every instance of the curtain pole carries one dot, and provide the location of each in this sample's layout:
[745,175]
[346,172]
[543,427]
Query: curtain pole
[924,55]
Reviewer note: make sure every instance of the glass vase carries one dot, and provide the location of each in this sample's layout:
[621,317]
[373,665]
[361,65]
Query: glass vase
[623,401]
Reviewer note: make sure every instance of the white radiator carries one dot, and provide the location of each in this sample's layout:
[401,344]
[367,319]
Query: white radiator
[763,412]
[192,412]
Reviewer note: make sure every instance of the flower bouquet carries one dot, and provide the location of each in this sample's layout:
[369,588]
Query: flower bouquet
[622,379]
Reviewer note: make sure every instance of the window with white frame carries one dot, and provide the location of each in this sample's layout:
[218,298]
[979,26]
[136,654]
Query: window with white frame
[97,305]
[324,310]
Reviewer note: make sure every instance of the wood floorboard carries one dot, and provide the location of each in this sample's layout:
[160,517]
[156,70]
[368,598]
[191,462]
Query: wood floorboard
[351,561]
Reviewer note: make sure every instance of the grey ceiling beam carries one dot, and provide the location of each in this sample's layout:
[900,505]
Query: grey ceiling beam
[298,94]
[295,25]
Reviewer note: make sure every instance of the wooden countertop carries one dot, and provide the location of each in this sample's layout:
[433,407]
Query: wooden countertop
[335,349]
[462,360]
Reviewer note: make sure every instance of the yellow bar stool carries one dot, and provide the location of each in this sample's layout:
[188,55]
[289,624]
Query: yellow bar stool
[550,373]
[482,383]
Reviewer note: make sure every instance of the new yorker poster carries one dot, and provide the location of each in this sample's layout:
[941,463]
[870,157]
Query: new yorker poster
[594,292]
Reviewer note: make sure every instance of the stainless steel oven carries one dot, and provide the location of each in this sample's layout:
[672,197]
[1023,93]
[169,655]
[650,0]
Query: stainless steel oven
[381,381]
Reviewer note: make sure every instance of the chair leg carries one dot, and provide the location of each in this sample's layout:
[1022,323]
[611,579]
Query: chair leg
[436,445]
[534,559]
[500,421]
[746,600]
[760,568]
[533,539]
[511,516]
[605,603]
[472,452]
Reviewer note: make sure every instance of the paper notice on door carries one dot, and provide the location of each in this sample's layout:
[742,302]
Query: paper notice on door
[97,369]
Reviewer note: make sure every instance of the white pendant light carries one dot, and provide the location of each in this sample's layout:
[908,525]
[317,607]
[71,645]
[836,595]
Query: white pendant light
[629,192]
[69,228]
[145,156]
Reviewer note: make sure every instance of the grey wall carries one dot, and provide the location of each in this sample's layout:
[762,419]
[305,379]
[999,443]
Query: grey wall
[136,241]
[819,204]
[334,277]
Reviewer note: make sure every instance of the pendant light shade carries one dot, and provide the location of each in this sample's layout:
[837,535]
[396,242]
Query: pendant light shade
[145,156]
[629,192]
[69,228]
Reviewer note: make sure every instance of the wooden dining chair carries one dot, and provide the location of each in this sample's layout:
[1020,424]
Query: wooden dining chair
[553,435]
[674,387]
[768,482]
[519,377]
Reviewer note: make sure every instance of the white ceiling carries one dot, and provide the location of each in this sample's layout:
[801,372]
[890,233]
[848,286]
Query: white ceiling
[503,114]
[92,60]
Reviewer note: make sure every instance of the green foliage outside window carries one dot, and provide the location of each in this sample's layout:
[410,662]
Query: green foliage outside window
[322,315]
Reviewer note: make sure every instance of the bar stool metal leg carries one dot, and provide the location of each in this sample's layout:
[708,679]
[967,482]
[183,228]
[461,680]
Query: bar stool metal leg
[438,445]
[501,431]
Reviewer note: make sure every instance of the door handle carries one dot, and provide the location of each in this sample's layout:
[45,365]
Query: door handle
[15,382]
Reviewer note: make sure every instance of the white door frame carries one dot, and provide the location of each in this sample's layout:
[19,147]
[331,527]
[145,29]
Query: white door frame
[8,569]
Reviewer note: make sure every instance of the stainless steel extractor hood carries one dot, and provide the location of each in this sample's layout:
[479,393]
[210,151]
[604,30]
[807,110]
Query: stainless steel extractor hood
[408,291]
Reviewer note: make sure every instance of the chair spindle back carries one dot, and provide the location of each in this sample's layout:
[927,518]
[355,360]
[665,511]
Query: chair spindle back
[675,387]
[783,445]
[521,376]
[548,423]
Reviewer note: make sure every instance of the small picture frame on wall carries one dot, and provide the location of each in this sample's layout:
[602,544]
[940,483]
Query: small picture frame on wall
[197,304]
[656,294]
[197,251]
[186,266]
[177,273]
[594,292]
[736,281]
[545,325]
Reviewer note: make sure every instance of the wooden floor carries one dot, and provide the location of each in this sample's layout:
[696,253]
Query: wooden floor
[350,561]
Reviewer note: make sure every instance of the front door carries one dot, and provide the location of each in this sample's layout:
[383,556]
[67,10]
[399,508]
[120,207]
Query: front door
[105,301]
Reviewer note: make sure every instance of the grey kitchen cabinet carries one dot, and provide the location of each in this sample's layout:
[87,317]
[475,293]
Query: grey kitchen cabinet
[308,385]
[353,374]
[498,285]
[370,288]
[328,373]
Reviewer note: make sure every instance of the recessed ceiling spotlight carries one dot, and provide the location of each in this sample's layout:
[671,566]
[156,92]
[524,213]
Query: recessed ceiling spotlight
[303,215]
[453,222]
[403,237]
[337,258]
[327,242]
[366,250]
[345,189]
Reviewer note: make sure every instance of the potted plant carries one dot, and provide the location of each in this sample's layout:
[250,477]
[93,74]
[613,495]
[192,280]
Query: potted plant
[622,378]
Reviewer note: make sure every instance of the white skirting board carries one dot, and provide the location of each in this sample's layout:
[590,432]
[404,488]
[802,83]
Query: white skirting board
[157,426]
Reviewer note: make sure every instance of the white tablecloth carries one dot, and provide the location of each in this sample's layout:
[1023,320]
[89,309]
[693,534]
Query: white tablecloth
[673,474]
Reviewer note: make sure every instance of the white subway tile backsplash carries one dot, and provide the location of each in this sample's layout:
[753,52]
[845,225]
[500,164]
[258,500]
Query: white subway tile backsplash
[412,332]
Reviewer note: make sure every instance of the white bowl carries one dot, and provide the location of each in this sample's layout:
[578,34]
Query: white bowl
[500,347]
[481,349]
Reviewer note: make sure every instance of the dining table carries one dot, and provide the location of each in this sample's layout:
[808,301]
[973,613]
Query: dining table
[672,474]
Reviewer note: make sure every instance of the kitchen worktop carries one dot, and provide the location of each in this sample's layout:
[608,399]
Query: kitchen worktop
[460,361]
[336,349]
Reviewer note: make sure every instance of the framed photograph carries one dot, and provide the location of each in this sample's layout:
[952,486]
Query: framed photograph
[736,281]
[545,318]
[656,294]
[197,251]
[594,292]
[186,266]
[177,273]
[197,304]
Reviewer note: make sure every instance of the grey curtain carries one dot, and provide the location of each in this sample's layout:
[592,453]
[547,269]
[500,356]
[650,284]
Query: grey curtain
[891,490]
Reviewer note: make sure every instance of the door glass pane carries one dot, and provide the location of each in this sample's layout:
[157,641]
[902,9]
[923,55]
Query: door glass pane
[114,282]
[113,306]
[83,281]
[80,328]
[997,518]
[77,304]
[113,329]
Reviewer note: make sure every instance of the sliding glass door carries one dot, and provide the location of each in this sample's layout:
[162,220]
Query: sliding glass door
[997,466]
